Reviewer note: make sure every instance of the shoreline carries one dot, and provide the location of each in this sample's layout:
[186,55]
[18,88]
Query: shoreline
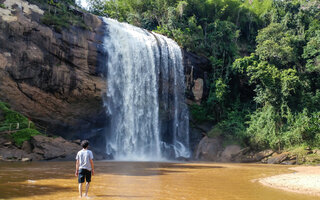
[303,180]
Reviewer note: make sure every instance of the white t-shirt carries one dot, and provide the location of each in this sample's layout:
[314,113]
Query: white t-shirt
[84,156]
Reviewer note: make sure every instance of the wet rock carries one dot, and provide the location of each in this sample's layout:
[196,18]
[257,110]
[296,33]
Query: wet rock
[109,157]
[183,159]
[278,158]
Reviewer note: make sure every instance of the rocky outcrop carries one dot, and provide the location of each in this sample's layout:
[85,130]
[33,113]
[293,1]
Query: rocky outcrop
[52,148]
[196,70]
[211,149]
[53,78]
[40,147]
[278,158]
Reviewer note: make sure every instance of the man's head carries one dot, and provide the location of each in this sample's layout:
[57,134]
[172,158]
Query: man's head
[85,144]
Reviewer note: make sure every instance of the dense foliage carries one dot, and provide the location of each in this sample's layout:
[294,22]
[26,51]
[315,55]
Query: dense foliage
[265,57]
[20,127]
[60,14]
[2,6]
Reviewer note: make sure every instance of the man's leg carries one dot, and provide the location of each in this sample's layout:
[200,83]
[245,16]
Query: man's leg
[80,190]
[87,189]
[88,179]
[81,177]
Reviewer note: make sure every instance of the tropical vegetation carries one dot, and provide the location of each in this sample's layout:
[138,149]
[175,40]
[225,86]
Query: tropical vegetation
[264,55]
[19,127]
[265,58]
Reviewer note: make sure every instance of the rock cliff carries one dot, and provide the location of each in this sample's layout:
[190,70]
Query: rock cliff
[56,79]
[51,77]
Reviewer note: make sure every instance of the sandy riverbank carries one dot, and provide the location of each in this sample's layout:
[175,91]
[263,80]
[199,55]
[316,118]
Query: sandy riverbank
[304,179]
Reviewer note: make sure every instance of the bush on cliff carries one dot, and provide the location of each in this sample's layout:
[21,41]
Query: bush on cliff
[59,15]
[10,120]
[23,135]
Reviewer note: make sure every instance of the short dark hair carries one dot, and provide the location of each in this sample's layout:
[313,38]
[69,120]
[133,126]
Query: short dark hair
[85,143]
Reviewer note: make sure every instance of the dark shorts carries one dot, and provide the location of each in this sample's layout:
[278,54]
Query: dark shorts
[84,174]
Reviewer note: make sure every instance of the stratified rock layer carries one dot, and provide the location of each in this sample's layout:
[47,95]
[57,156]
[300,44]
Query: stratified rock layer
[51,77]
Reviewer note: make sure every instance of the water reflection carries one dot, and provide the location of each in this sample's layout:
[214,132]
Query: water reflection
[140,180]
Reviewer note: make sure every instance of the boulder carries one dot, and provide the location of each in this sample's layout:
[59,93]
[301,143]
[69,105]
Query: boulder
[228,153]
[262,154]
[54,148]
[278,158]
[247,156]
[209,149]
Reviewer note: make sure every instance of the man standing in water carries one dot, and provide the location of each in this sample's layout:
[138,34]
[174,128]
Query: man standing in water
[84,167]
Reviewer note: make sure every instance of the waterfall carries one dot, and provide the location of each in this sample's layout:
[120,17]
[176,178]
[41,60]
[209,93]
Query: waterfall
[145,103]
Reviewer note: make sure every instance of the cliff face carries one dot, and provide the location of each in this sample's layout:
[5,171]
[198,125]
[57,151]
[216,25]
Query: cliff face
[50,77]
[55,78]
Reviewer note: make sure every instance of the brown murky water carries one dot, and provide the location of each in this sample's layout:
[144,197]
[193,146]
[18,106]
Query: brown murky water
[143,180]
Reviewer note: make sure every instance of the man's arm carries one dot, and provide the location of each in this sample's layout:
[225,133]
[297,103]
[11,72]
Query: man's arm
[77,168]
[92,167]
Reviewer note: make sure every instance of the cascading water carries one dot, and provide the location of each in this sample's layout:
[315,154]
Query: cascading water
[145,97]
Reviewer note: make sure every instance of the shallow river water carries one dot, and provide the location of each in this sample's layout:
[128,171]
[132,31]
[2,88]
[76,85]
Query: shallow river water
[143,180]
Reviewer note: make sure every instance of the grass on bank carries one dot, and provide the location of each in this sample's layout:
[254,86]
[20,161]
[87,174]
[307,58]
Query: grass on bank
[2,6]
[8,122]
